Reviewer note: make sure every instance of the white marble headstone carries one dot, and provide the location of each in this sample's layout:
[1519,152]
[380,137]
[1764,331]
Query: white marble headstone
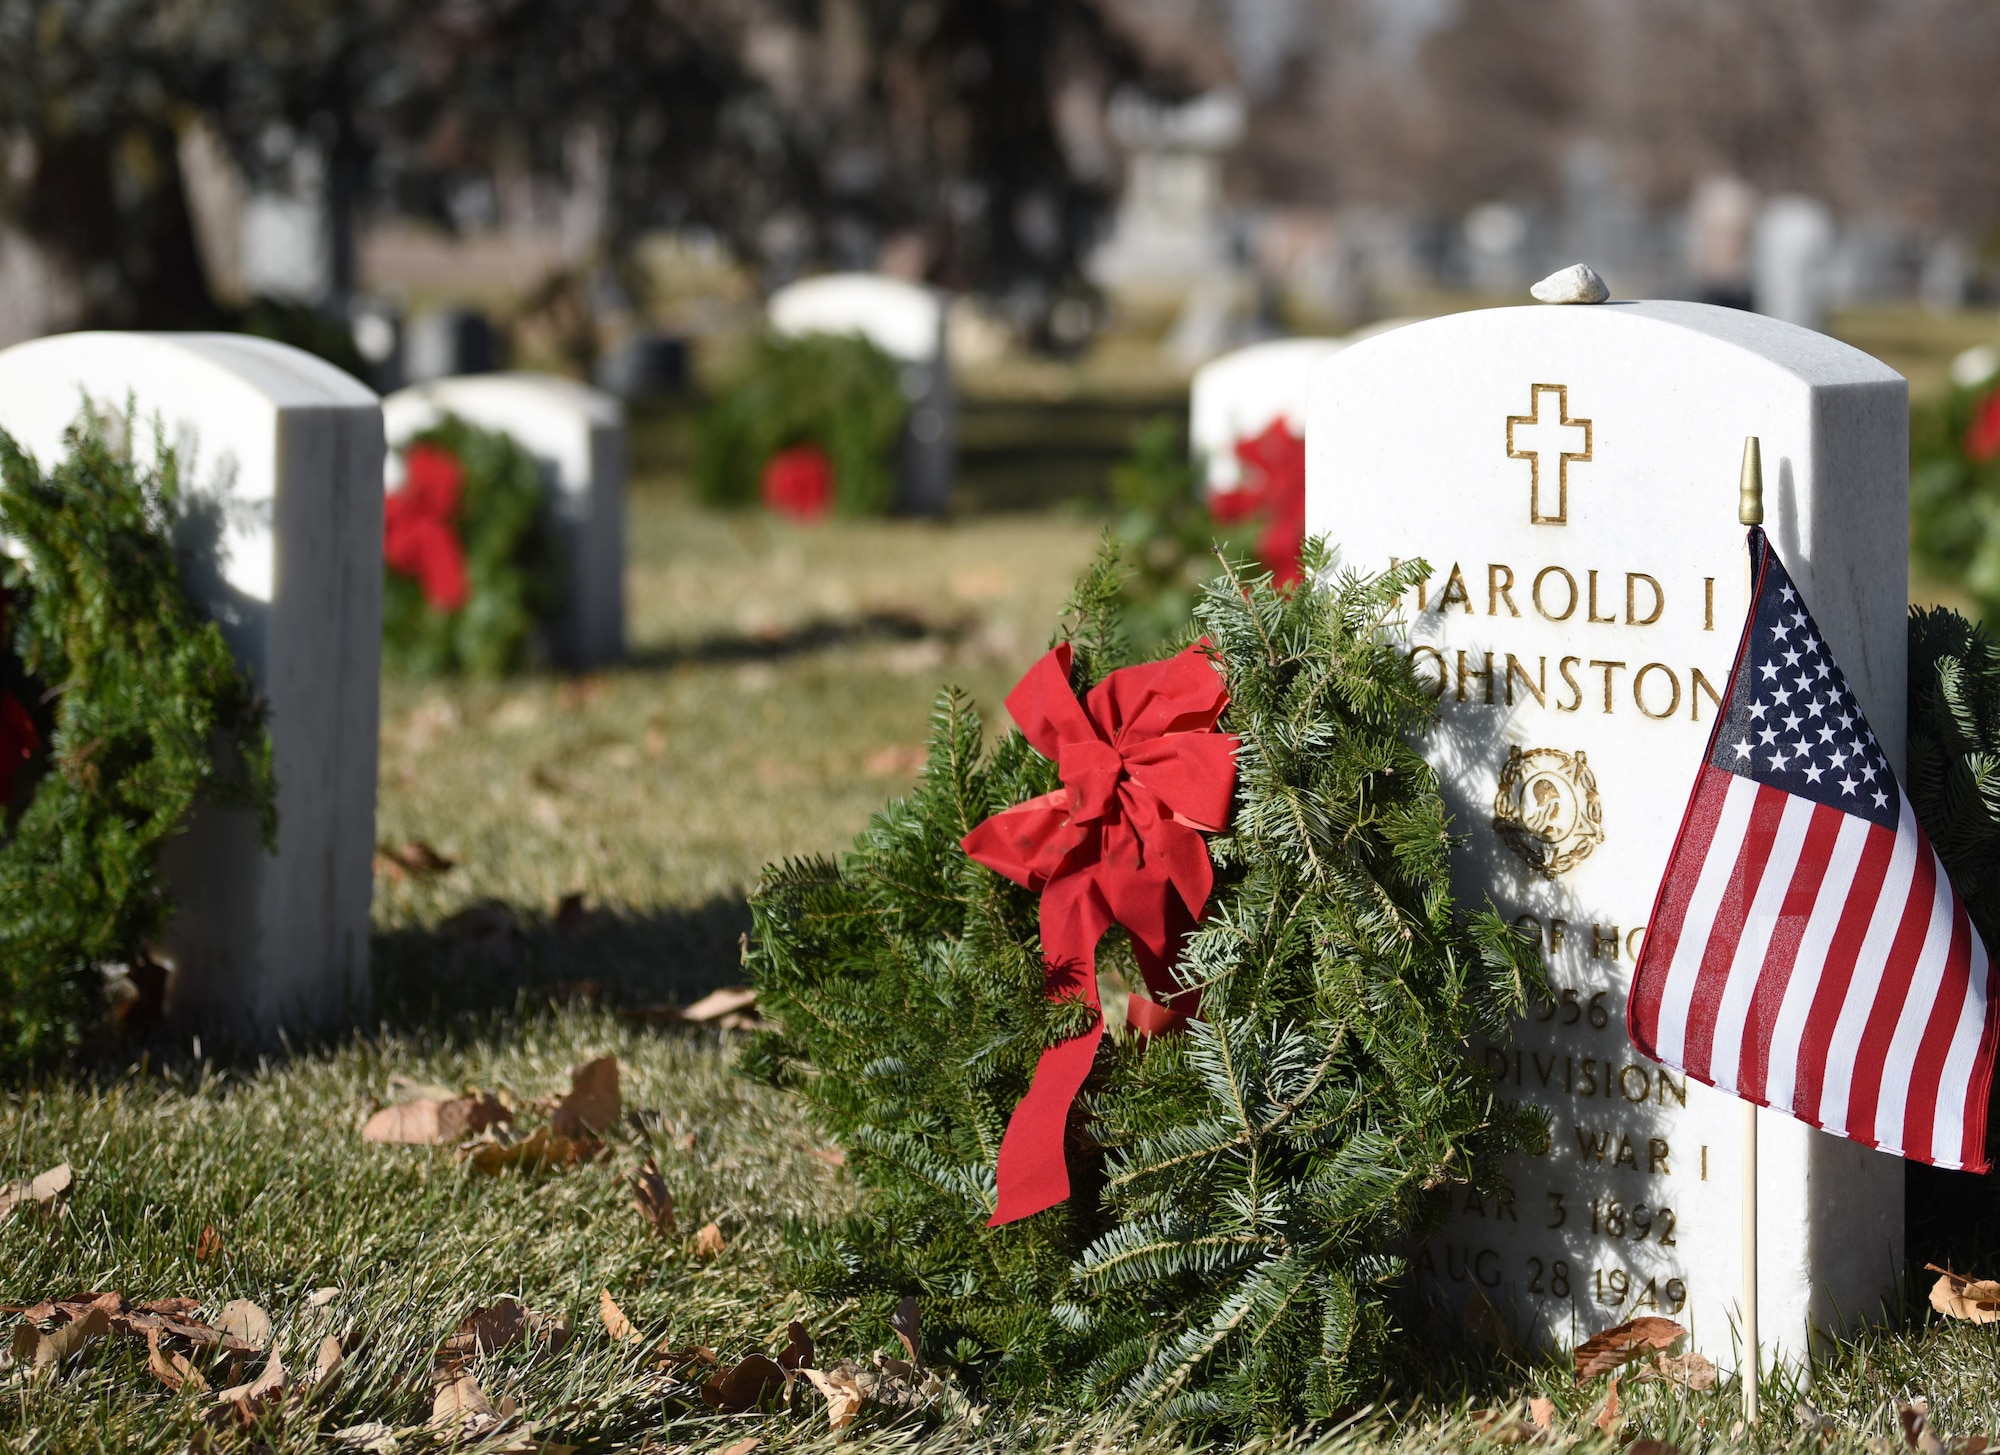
[1569,474]
[283,453]
[577,433]
[1242,393]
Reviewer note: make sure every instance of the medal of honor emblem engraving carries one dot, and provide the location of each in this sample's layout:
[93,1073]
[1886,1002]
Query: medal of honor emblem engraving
[1546,808]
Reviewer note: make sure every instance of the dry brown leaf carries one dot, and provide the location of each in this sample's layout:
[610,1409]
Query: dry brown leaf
[1917,1432]
[832,1156]
[489,1327]
[414,859]
[429,1122]
[732,1006]
[593,1102]
[842,1394]
[709,1242]
[907,1321]
[1484,1323]
[171,1369]
[654,1201]
[1602,1353]
[208,1245]
[541,1150]
[249,1401]
[459,1400]
[1652,1447]
[45,1351]
[243,1320]
[741,1389]
[1542,1410]
[371,1437]
[1692,1370]
[1607,1418]
[615,1323]
[741,1447]
[798,1353]
[1505,1427]
[321,1297]
[43,1194]
[549,1331]
[327,1361]
[1958,1297]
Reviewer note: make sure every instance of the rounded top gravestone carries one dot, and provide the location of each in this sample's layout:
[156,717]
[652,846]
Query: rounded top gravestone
[281,464]
[1569,475]
[903,320]
[1243,393]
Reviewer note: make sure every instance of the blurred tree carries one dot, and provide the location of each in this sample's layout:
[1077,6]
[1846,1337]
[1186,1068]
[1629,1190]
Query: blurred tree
[802,131]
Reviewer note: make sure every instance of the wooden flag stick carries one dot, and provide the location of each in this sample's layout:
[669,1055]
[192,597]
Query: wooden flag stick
[1750,511]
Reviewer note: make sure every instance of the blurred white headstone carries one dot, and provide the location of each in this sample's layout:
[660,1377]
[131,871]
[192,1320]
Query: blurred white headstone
[1241,394]
[281,455]
[906,322]
[1168,231]
[1793,252]
[1570,474]
[577,434]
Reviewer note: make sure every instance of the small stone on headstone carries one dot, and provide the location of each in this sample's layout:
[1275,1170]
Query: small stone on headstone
[1577,283]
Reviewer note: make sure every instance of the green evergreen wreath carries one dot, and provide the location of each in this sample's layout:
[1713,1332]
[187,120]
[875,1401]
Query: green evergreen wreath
[144,711]
[1243,1193]
[837,391]
[499,524]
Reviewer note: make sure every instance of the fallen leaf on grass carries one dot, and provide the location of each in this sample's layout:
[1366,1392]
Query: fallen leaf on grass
[907,1321]
[709,1242]
[732,1008]
[208,1245]
[1602,1353]
[321,1297]
[1957,1297]
[743,1388]
[429,1121]
[1542,1410]
[243,1320]
[1917,1432]
[327,1362]
[741,1447]
[412,860]
[1505,1427]
[842,1394]
[498,1326]
[1652,1447]
[1691,1370]
[798,1353]
[43,1194]
[592,1103]
[832,1156]
[615,1323]
[45,1351]
[543,1149]
[459,1406]
[249,1401]
[370,1438]
[171,1369]
[654,1201]
[1607,1418]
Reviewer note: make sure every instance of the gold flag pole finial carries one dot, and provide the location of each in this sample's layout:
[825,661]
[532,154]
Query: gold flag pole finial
[1750,493]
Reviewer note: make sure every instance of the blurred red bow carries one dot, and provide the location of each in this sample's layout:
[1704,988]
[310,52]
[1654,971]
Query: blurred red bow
[420,527]
[1144,774]
[1274,486]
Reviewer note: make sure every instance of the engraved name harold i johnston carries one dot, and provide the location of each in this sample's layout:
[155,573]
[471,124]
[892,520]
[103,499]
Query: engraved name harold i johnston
[1546,808]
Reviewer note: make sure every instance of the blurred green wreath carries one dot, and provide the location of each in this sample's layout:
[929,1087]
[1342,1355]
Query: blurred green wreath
[470,569]
[827,410]
[123,708]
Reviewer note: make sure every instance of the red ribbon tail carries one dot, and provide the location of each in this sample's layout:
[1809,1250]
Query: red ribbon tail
[1033,1175]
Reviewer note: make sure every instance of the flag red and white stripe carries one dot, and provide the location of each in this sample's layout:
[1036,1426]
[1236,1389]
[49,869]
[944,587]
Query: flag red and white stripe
[1806,951]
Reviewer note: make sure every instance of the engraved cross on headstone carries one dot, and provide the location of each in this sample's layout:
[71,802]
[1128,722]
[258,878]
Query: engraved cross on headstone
[1547,432]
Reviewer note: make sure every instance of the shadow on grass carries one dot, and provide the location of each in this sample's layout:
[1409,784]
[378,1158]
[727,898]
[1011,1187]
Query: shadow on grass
[814,636]
[493,957]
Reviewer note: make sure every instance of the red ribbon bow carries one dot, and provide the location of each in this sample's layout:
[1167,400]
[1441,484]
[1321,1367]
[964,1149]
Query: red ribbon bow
[19,740]
[1145,775]
[420,527]
[1274,485]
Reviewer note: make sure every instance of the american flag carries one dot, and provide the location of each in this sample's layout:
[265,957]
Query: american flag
[1806,951]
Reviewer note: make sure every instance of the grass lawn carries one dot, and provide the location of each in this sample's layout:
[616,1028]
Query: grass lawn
[777,693]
